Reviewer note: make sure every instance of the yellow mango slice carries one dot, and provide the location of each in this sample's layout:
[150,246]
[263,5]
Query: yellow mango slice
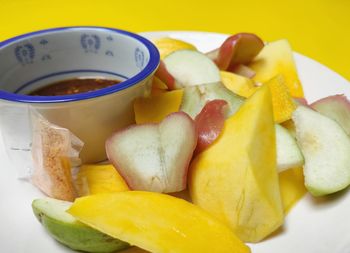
[282,102]
[277,58]
[155,108]
[238,84]
[292,187]
[236,179]
[156,222]
[168,45]
[95,179]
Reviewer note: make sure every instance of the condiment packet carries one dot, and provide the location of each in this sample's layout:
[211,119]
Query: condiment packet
[40,151]
[54,151]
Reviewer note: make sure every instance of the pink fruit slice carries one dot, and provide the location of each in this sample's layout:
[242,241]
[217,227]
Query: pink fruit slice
[155,157]
[209,123]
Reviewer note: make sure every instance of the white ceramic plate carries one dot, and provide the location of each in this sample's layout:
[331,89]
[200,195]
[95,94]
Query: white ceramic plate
[314,225]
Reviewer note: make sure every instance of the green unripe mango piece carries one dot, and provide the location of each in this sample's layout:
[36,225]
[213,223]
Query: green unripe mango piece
[69,231]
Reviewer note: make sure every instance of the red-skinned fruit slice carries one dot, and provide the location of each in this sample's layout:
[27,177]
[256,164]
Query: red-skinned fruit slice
[209,123]
[163,74]
[155,157]
[237,49]
[336,107]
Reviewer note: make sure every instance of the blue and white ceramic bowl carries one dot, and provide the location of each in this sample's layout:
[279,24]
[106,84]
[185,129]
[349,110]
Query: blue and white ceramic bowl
[30,61]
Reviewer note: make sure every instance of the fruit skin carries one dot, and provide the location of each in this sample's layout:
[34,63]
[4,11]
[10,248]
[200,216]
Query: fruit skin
[209,123]
[236,179]
[156,222]
[274,59]
[336,107]
[164,76]
[237,49]
[69,231]
[155,157]
[326,149]
[99,178]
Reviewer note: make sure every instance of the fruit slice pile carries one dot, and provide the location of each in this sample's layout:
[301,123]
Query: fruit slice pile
[233,126]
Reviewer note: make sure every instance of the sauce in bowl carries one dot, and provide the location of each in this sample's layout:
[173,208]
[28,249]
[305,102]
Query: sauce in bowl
[73,86]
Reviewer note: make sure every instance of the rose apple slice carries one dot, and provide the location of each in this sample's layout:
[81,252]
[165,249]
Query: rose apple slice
[189,68]
[209,123]
[336,107]
[238,49]
[155,157]
[326,149]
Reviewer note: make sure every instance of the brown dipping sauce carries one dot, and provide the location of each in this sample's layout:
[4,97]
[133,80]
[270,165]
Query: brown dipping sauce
[73,86]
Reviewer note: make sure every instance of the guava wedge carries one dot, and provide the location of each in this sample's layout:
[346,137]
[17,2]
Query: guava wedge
[69,231]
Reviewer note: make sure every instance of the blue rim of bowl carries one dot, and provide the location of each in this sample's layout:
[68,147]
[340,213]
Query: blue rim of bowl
[151,66]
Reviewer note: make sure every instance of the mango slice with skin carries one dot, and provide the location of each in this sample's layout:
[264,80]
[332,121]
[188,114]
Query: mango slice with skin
[155,108]
[274,59]
[156,222]
[292,187]
[236,179]
[95,179]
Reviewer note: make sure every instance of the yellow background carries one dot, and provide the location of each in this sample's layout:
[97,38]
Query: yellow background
[319,29]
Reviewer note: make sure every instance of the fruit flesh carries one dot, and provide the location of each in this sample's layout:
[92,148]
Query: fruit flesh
[69,231]
[292,187]
[282,101]
[195,98]
[326,149]
[274,59]
[288,152]
[190,67]
[235,179]
[156,222]
[95,179]
[155,108]
[239,85]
